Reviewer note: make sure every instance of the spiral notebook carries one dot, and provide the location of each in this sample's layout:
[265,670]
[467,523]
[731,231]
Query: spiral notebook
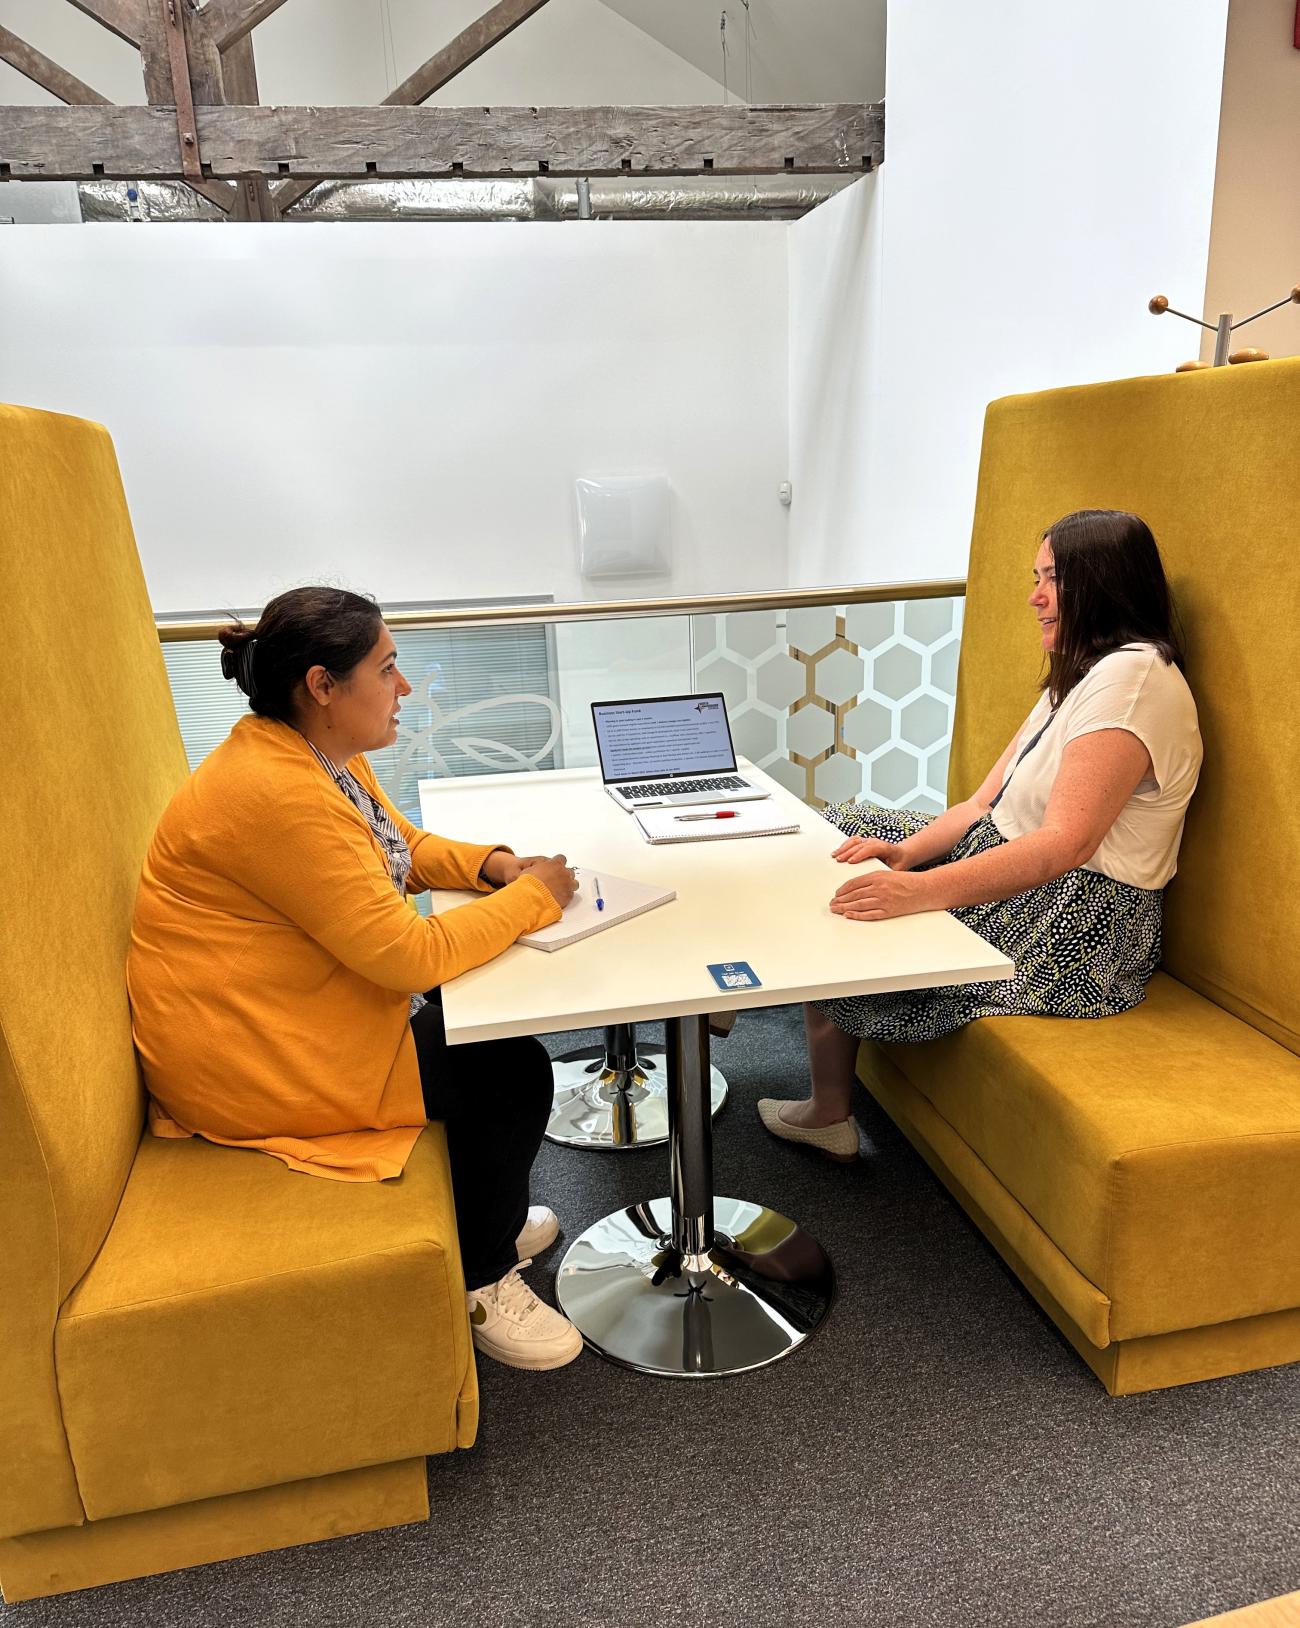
[715,824]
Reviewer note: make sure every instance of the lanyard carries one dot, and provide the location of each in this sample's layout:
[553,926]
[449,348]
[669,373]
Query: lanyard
[1028,749]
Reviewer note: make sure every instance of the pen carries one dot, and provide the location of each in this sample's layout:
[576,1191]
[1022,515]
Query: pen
[600,903]
[723,814]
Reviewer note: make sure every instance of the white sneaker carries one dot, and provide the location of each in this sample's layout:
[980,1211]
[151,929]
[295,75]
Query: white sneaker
[510,1323]
[540,1231]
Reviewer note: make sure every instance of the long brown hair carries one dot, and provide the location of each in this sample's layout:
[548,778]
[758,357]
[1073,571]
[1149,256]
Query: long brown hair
[1111,591]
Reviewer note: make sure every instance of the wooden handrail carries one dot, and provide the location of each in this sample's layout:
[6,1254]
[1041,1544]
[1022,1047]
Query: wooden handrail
[591,610]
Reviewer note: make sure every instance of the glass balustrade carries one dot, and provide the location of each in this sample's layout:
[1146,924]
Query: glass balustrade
[839,702]
[834,701]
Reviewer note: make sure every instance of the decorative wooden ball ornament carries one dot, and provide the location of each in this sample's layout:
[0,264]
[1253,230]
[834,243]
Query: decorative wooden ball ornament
[1223,330]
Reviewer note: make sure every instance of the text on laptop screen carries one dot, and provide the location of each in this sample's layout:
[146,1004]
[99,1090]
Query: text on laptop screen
[685,734]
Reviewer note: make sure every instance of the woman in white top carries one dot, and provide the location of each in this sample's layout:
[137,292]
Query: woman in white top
[1061,857]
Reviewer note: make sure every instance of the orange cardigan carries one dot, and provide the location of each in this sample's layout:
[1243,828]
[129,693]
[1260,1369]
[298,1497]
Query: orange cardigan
[272,961]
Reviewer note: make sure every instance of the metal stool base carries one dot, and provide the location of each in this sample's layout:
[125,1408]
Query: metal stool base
[763,1289]
[598,1105]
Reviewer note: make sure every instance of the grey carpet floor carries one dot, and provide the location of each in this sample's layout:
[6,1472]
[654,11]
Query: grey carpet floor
[936,1458]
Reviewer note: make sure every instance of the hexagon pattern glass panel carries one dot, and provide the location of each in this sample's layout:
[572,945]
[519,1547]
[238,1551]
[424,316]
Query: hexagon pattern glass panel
[841,703]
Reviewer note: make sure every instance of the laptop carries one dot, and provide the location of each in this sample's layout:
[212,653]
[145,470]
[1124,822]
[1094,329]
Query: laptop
[668,750]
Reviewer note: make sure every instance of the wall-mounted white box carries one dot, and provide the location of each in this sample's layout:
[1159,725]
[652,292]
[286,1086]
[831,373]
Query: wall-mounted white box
[624,526]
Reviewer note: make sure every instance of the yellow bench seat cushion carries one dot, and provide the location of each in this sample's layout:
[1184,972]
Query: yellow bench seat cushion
[228,1284]
[1159,1151]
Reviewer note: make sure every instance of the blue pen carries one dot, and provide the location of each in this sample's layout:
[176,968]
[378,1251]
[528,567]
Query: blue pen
[600,903]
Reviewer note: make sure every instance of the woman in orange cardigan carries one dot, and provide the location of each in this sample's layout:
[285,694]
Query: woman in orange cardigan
[275,960]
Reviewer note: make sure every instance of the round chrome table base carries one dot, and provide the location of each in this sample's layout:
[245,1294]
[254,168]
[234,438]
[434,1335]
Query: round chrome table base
[600,1105]
[762,1289]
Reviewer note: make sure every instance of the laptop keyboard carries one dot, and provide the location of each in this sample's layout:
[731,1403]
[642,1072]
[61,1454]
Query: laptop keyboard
[673,788]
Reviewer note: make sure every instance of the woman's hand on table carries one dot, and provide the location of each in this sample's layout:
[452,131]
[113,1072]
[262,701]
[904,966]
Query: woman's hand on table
[501,867]
[881,894]
[856,850]
[553,872]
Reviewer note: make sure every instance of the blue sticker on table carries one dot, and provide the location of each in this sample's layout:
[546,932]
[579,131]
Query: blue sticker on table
[732,975]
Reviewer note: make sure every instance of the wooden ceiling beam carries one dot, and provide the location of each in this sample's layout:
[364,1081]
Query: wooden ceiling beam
[439,70]
[125,18]
[323,143]
[254,198]
[225,194]
[227,21]
[239,73]
[468,46]
[176,79]
[187,126]
[42,71]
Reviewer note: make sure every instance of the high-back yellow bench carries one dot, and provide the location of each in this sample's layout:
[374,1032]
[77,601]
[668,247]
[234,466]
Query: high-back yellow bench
[204,1354]
[1141,1173]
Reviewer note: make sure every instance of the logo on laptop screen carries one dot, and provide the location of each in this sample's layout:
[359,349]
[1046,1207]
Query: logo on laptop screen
[708,706]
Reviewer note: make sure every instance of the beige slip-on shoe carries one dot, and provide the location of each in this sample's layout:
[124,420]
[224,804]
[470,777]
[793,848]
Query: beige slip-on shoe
[839,1142]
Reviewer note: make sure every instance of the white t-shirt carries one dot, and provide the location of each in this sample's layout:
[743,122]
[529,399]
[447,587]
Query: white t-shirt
[1131,688]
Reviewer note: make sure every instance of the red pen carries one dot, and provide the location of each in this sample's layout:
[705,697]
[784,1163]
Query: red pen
[722,814]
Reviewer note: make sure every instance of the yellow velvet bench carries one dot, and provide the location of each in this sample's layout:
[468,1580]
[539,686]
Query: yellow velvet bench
[1141,1174]
[204,1354]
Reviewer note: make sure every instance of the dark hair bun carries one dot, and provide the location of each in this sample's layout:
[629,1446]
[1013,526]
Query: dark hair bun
[300,629]
[233,641]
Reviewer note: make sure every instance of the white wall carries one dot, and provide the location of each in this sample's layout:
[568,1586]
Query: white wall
[406,406]
[835,332]
[1047,169]
[1255,240]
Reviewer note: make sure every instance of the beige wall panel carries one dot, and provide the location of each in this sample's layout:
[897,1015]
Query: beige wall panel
[1255,235]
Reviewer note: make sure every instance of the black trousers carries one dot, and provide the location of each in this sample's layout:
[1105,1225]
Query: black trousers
[494,1097]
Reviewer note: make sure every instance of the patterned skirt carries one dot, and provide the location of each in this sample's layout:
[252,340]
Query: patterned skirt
[1084,945]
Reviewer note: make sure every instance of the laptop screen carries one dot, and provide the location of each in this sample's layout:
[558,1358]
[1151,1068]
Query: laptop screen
[676,734]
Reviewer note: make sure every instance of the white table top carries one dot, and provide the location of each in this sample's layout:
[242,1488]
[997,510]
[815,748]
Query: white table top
[763,900]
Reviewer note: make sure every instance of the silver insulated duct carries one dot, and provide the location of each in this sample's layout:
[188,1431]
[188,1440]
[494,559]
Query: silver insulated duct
[757,197]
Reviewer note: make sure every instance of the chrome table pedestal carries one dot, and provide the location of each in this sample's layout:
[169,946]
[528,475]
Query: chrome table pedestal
[616,1096]
[694,1286]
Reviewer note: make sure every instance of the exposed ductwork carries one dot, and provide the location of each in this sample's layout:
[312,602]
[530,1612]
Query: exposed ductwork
[143,200]
[759,197]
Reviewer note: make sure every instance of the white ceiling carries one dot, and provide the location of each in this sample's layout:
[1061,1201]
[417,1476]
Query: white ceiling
[785,50]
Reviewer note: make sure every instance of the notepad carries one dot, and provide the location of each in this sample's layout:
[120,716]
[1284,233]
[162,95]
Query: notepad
[623,900]
[686,824]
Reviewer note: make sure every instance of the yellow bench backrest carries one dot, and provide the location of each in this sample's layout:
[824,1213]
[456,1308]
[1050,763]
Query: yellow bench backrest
[93,752]
[1209,460]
